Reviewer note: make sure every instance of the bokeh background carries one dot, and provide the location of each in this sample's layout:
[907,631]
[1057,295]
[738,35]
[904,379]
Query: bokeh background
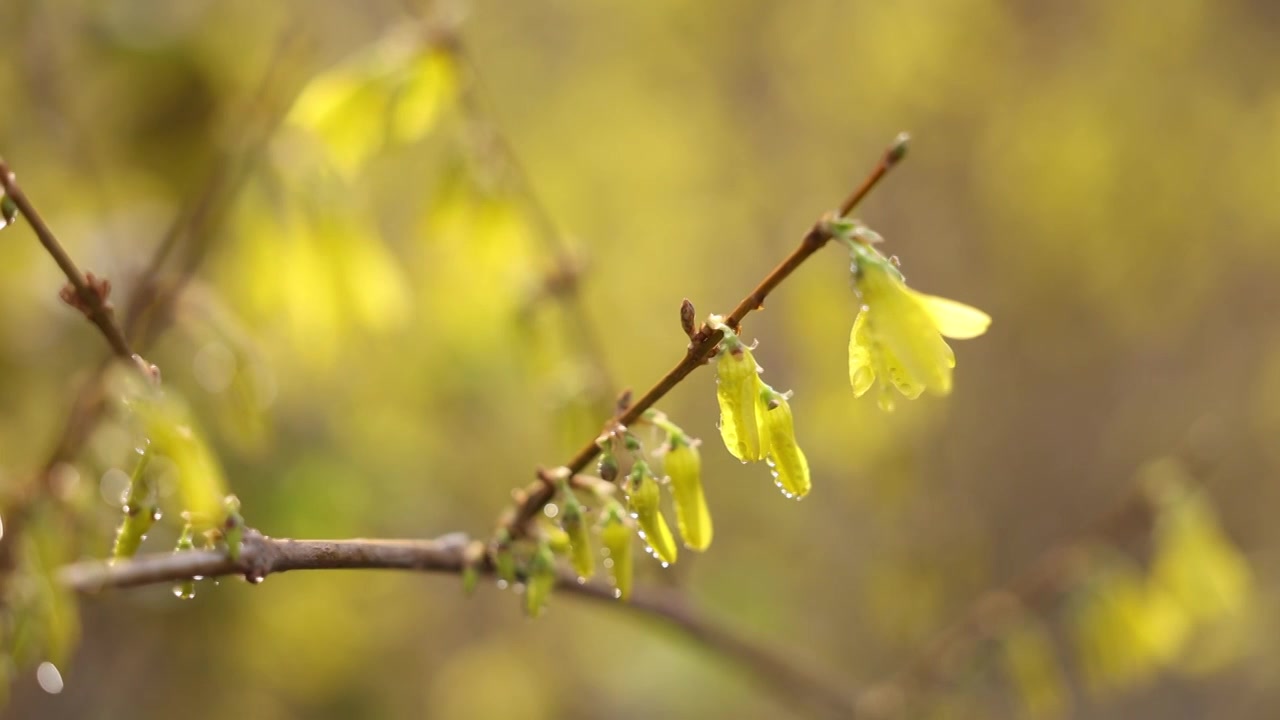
[367,342]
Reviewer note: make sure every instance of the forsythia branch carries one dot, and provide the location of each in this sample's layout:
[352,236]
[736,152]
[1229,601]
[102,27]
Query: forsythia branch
[261,556]
[705,340]
[90,294]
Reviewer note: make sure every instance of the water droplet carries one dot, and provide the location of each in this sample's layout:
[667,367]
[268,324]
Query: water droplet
[608,562]
[502,584]
[582,580]
[49,678]
[198,578]
[183,591]
[551,510]
[666,564]
[255,579]
[617,594]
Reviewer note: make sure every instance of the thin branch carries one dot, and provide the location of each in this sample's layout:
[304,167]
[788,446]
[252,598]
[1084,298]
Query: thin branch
[91,296]
[196,224]
[261,556]
[536,495]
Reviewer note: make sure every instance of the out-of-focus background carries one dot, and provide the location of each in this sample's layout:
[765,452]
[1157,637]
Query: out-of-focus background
[367,342]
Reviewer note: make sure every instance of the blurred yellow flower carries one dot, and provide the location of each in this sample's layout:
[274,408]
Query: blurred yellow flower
[897,337]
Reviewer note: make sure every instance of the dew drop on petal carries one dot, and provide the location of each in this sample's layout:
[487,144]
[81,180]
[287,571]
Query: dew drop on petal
[49,678]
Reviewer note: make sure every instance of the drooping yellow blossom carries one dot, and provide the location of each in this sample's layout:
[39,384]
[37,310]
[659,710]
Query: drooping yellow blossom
[897,337]
[644,496]
[738,392]
[683,465]
[777,430]
[581,552]
[615,536]
[541,580]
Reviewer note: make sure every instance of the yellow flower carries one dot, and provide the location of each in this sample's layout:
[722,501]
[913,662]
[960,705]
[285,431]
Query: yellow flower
[541,580]
[683,466]
[737,392]
[897,337]
[615,536]
[790,468]
[644,497]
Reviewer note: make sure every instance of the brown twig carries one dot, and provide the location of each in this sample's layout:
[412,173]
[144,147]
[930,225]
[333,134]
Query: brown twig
[261,556]
[90,294]
[705,341]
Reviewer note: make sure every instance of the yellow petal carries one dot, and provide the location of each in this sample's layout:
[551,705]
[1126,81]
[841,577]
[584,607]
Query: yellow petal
[615,536]
[683,465]
[789,463]
[862,373]
[906,330]
[737,392]
[954,319]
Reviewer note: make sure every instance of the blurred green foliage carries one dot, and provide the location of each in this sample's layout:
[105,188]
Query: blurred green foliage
[368,348]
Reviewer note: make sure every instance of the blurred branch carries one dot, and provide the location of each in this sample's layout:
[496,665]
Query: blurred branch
[261,556]
[196,224]
[704,342]
[89,294]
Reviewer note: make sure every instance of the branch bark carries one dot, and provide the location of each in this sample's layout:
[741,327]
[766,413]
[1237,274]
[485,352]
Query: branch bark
[91,300]
[261,556]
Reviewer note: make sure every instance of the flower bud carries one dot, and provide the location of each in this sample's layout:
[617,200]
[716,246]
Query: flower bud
[683,466]
[615,535]
[737,392]
[541,580]
[790,468]
[644,496]
[574,522]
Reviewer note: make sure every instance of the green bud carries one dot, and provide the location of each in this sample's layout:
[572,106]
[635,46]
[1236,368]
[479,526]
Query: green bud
[140,510]
[8,210]
[645,497]
[233,527]
[504,563]
[471,558]
[541,580]
[574,522]
[615,535]
[187,588]
[557,539]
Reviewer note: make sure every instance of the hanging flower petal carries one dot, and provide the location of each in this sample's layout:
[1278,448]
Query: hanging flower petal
[615,535]
[897,336]
[644,496]
[789,464]
[683,465]
[737,392]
